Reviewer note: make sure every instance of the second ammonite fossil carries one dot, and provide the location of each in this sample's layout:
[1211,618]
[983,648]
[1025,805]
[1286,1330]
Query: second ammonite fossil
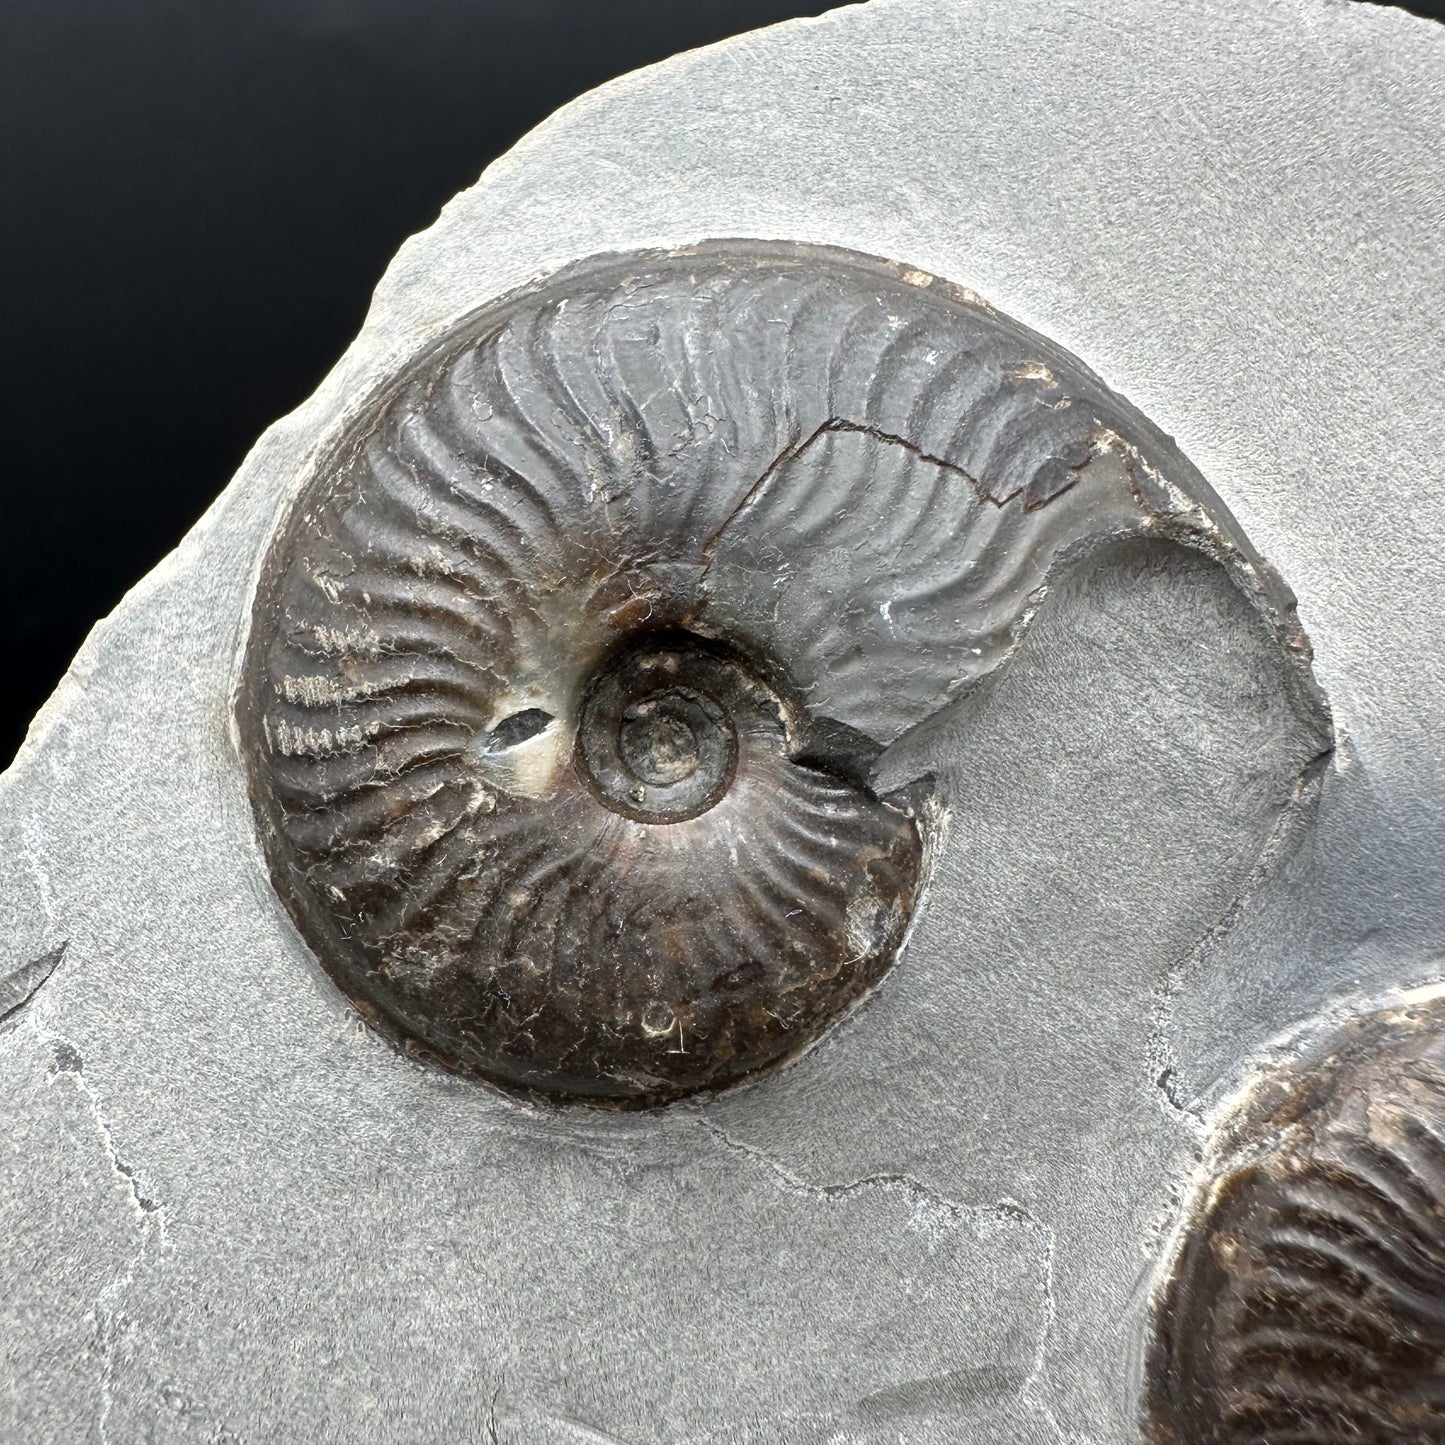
[1306,1300]
[573,662]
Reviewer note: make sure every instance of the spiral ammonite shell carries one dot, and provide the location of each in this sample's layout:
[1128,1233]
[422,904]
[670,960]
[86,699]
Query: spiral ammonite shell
[1307,1300]
[571,663]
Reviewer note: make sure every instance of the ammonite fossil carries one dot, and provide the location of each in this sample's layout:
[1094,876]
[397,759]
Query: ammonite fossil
[572,666]
[1307,1300]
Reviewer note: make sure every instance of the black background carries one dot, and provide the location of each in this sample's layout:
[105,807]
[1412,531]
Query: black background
[196,200]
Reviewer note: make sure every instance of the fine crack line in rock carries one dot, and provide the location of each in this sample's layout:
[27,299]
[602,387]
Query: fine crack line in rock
[915,1189]
[35,849]
[1004,1210]
[1050,1322]
[491,1420]
[150,1223]
[1283,834]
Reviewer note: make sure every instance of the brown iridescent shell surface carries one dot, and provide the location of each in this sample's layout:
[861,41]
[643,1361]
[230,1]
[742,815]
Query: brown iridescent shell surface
[572,665]
[1307,1297]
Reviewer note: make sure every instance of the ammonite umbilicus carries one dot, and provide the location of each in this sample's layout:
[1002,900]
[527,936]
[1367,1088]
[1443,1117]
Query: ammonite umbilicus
[572,665]
[1307,1299]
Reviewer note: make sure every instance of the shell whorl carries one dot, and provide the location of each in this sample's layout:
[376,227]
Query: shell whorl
[570,663]
[1307,1297]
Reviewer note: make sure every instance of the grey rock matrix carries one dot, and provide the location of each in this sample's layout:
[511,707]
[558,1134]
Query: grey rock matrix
[232,1211]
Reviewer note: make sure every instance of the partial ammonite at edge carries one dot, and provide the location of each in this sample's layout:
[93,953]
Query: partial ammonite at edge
[573,663]
[1306,1299]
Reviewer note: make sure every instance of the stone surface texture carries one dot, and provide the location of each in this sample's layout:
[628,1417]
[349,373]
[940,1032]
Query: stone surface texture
[230,1212]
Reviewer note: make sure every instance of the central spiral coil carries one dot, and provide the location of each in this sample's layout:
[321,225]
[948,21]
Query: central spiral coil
[659,733]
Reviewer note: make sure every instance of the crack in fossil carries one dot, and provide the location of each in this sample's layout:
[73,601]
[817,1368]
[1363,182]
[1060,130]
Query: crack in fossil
[793,453]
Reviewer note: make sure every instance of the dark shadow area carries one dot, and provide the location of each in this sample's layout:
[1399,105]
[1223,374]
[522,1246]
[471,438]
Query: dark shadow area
[198,201]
